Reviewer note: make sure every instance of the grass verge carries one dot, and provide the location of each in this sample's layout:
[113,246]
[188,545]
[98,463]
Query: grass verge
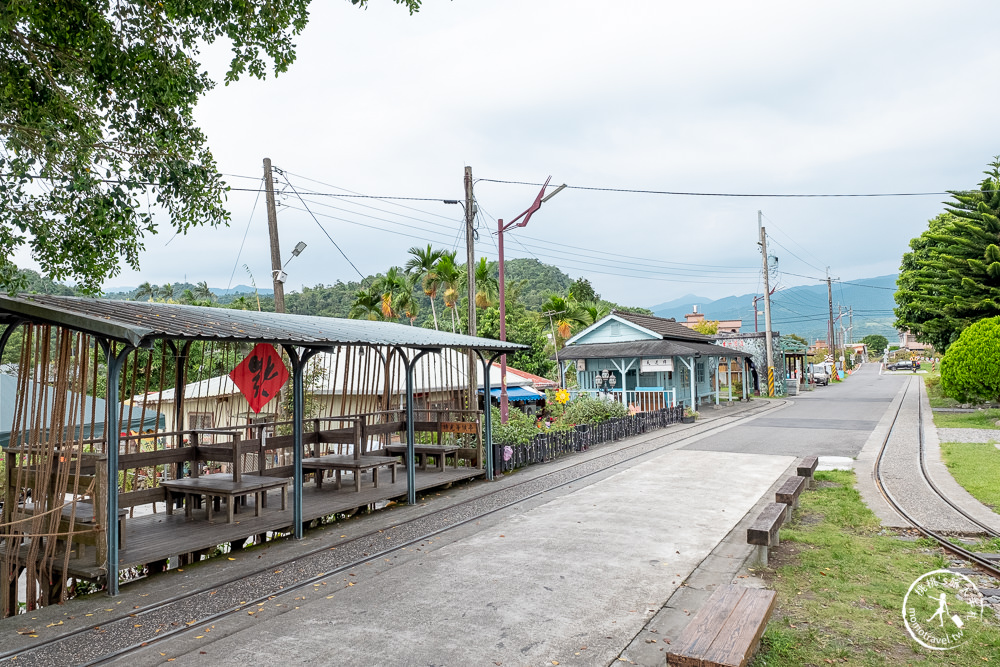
[977,419]
[841,581]
[976,467]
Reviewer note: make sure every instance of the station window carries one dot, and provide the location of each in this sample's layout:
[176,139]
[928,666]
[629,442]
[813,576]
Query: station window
[700,371]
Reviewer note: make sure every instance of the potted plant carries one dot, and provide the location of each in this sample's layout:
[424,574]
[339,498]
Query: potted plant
[689,416]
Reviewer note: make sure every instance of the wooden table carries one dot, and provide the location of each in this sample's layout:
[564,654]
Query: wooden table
[440,452]
[356,464]
[222,485]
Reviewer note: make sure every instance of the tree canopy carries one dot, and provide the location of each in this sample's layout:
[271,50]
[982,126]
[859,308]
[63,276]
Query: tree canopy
[951,277]
[971,368]
[97,122]
[876,344]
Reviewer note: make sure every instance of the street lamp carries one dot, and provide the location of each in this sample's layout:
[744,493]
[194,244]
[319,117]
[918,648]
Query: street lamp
[605,382]
[279,274]
[501,228]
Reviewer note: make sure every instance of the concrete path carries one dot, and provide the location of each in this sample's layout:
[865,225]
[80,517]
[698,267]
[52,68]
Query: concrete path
[571,580]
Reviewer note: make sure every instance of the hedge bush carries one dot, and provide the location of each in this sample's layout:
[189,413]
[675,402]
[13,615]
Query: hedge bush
[586,410]
[970,369]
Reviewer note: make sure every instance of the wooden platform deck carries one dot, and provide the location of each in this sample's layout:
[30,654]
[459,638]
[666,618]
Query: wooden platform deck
[155,537]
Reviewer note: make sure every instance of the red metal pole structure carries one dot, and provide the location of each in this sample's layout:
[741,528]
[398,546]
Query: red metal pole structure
[501,228]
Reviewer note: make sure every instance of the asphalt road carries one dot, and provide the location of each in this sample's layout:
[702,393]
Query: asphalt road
[830,421]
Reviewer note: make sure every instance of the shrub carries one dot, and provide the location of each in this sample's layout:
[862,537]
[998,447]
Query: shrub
[587,410]
[519,429]
[971,367]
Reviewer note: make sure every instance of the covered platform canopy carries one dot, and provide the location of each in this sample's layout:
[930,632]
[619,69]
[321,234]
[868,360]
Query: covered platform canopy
[519,394]
[121,327]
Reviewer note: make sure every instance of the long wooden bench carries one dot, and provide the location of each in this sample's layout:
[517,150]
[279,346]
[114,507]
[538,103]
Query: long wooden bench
[726,630]
[763,533]
[788,493]
[807,469]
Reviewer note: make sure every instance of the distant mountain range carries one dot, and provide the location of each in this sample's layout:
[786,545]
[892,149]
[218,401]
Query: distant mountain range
[804,310]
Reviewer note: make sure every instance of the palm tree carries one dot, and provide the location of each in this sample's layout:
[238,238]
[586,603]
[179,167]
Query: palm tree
[421,265]
[145,291]
[593,311]
[167,292]
[487,287]
[367,305]
[566,313]
[188,298]
[203,293]
[450,278]
[240,303]
[391,286]
[409,306]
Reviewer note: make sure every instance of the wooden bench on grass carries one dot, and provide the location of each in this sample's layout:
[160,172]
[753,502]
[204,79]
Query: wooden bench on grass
[763,533]
[807,469]
[726,630]
[788,493]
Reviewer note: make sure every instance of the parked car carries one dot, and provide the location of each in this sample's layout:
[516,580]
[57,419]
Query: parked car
[820,375]
[904,365]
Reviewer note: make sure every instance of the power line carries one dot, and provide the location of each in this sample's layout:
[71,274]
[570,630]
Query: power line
[243,242]
[740,194]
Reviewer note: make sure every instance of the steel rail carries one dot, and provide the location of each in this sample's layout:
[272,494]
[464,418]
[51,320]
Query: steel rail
[132,618]
[943,541]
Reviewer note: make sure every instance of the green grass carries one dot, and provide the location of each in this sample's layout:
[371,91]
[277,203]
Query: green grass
[977,468]
[841,580]
[977,419]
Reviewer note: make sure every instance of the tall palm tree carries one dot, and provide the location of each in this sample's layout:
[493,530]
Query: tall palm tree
[203,293]
[487,286]
[240,303]
[390,287]
[188,298]
[421,265]
[450,278]
[408,305]
[566,314]
[367,305]
[167,292]
[145,291]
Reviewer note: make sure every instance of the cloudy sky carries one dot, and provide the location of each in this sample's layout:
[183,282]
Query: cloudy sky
[721,97]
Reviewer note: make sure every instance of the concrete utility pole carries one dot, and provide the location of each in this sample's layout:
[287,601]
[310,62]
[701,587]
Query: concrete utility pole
[470,261]
[850,324]
[272,228]
[767,307]
[829,296]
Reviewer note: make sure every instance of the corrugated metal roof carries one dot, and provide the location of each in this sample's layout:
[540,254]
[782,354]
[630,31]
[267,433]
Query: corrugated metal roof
[646,348]
[668,328]
[140,322]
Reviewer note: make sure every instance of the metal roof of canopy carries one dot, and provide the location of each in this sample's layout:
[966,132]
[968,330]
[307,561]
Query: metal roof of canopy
[140,323]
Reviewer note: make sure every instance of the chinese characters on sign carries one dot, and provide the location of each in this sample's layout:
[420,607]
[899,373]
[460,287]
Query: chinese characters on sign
[260,376]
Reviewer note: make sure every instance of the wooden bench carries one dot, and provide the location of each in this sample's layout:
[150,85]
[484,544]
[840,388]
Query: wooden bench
[807,468]
[340,463]
[788,493]
[763,533]
[439,452]
[223,485]
[726,630]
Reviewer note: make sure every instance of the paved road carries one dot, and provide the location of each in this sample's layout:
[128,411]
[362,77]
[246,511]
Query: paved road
[830,421]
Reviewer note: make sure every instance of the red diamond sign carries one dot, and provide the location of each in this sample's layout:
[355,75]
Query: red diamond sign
[260,376]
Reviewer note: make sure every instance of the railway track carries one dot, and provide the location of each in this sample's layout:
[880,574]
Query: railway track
[121,634]
[915,386]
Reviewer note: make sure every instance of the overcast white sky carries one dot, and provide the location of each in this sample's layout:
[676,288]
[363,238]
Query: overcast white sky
[736,97]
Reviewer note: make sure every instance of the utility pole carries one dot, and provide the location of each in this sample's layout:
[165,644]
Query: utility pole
[555,341]
[272,228]
[767,306]
[829,296]
[850,324]
[470,263]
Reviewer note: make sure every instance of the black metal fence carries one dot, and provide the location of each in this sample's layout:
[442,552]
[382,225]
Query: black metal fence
[551,445]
